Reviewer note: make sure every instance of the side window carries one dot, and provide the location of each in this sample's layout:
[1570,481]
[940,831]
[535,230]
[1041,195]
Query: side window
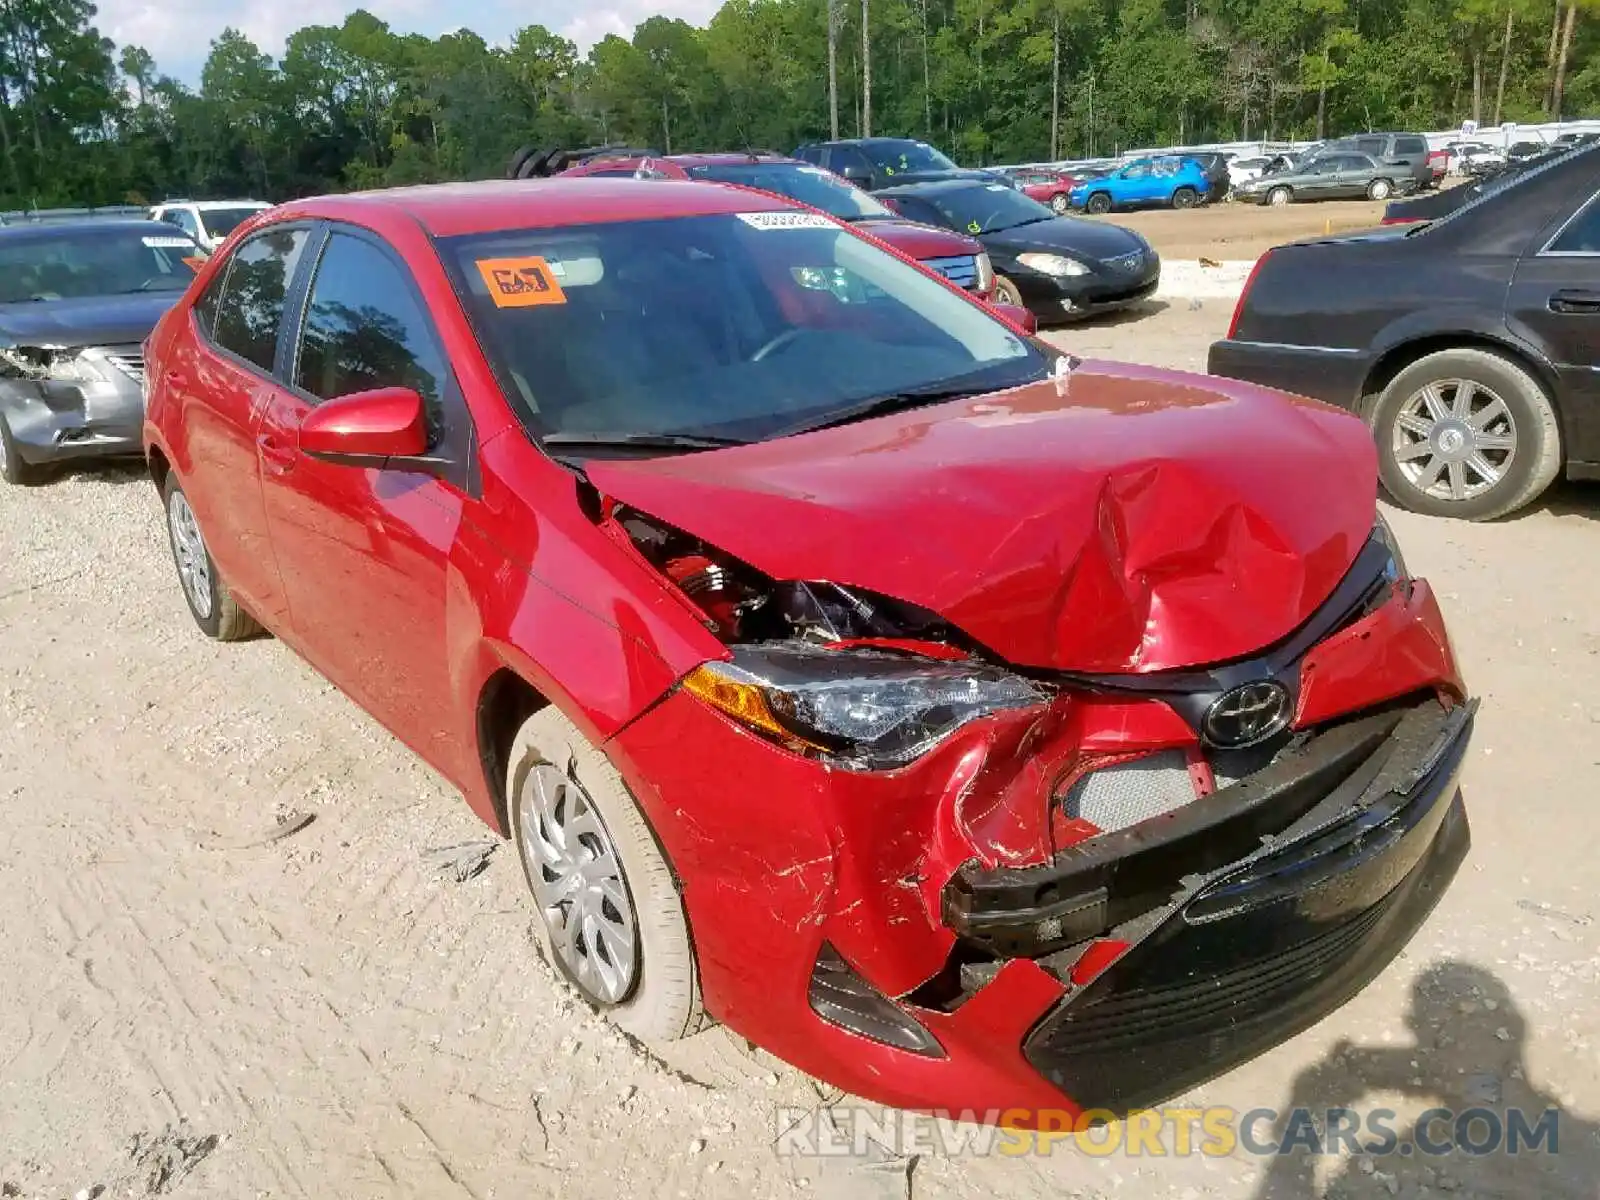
[914,209]
[251,312]
[365,329]
[1371,145]
[1582,235]
[1141,171]
[810,154]
[1411,145]
[842,158]
[205,308]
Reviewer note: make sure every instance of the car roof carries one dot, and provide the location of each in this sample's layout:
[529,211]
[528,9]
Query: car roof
[731,158]
[23,230]
[453,209]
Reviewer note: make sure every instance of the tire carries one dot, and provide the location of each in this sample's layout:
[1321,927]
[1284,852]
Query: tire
[12,468]
[1279,196]
[518,159]
[1060,204]
[1005,292]
[1099,204]
[210,601]
[560,788]
[1525,453]
[1185,197]
[1379,189]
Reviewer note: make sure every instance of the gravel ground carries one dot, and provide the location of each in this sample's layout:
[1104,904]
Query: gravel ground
[196,1009]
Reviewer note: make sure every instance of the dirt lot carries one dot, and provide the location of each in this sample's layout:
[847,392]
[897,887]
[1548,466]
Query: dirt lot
[1234,230]
[191,1009]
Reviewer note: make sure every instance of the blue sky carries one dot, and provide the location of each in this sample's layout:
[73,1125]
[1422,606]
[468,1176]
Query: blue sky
[179,32]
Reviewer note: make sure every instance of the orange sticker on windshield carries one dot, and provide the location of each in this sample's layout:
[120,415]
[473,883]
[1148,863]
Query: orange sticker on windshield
[194,262]
[520,282]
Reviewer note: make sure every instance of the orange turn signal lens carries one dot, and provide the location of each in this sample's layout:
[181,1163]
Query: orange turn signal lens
[745,702]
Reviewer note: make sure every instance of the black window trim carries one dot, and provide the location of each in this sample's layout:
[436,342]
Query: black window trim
[208,336]
[453,457]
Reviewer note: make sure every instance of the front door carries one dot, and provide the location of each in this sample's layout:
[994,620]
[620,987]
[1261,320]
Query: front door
[1555,299]
[365,551]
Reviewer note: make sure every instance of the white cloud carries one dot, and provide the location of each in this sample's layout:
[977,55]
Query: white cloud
[178,33]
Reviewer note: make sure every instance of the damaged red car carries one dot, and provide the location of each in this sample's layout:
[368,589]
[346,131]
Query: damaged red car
[972,726]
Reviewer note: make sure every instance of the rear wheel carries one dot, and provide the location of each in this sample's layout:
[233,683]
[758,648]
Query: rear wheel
[1005,292]
[1185,197]
[1466,433]
[214,609]
[1379,189]
[1059,204]
[1279,196]
[1099,203]
[610,920]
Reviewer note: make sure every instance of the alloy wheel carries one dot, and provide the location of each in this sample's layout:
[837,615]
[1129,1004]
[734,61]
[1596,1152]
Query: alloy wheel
[577,880]
[1059,204]
[1279,196]
[189,551]
[1454,439]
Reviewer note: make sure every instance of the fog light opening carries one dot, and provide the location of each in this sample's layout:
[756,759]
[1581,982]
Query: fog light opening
[842,998]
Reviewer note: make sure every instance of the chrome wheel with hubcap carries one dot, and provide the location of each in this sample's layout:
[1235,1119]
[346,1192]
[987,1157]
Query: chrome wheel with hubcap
[1454,439]
[189,549]
[577,880]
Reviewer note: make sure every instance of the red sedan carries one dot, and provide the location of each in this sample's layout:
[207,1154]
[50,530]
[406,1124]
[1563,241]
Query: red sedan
[972,726]
[1048,187]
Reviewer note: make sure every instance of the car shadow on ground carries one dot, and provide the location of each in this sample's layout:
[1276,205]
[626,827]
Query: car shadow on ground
[1109,320]
[1468,1058]
[1569,498]
[115,471]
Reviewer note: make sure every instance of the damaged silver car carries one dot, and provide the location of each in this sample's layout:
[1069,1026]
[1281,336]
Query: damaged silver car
[77,300]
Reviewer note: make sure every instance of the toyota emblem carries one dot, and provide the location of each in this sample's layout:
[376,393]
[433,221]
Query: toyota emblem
[1250,713]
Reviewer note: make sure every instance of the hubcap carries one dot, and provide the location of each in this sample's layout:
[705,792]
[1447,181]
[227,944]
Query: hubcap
[578,884]
[1454,439]
[189,550]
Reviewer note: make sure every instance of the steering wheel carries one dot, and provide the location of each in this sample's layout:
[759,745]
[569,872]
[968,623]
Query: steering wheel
[777,343]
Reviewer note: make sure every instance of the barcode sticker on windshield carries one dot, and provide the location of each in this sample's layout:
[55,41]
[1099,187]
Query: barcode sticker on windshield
[168,243]
[520,282]
[786,220]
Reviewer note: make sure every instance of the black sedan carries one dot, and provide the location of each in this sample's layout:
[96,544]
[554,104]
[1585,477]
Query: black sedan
[1060,268]
[1468,343]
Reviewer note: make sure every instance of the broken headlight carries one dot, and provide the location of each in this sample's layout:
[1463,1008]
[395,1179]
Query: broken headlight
[865,710]
[59,366]
[1395,570]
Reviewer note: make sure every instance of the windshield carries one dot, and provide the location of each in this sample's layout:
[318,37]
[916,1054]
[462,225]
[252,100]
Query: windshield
[95,262]
[809,185]
[987,207]
[725,326]
[902,155]
[220,222]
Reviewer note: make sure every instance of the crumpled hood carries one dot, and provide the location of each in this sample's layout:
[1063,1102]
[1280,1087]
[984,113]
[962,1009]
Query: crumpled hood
[1122,519]
[85,320]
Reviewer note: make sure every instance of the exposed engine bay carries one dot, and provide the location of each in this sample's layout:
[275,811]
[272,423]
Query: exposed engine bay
[740,604]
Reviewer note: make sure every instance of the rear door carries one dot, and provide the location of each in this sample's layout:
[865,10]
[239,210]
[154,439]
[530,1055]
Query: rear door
[1555,299]
[365,552]
[222,380]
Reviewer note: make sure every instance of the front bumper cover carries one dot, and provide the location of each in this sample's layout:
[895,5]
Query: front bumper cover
[54,421]
[1250,953]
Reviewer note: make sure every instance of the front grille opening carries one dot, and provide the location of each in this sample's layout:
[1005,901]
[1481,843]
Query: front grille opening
[1116,797]
[842,998]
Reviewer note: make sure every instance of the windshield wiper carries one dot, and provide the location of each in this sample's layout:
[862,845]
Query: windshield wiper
[643,441]
[880,405]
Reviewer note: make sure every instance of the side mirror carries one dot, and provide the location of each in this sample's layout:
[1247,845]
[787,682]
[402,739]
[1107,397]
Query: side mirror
[1020,317]
[364,428]
[859,176]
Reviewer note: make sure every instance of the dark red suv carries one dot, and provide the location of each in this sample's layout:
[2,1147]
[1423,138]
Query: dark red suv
[975,727]
[958,258]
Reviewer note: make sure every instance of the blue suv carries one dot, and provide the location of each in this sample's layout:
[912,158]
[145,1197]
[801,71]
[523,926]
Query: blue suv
[1165,182]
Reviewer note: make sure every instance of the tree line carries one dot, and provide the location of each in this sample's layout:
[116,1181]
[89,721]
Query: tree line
[83,121]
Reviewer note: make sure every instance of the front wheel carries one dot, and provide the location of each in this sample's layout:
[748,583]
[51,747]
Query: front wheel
[1466,433]
[1279,196]
[1098,204]
[610,919]
[210,601]
[1185,197]
[1379,189]
[1059,204]
[12,468]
